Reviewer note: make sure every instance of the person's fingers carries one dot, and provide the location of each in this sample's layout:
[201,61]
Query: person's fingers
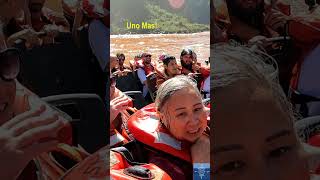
[23,116]
[274,18]
[120,99]
[266,45]
[267,18]
[272,15]
[51,170]
[261,38]
[35,40]
[195,66]
[33,123]
[277,19]
[257,40]
[98,159]
[122,105]
[31,35]
[123,102]
[4,136]
[24,34]
[27,31]
[278,24]
[37,149]
[275,14]
[40,133]
[274,11]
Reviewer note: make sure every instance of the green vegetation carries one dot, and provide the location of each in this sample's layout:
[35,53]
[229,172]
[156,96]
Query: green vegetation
[149,11]
[172,23]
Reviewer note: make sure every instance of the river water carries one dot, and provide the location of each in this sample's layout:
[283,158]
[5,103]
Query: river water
[156,44]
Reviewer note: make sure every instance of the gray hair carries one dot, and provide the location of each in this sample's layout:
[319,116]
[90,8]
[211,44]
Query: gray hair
[232,63]
[172,85]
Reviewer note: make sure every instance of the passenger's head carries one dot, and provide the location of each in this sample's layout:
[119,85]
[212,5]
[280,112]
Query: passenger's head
[11,8]
[36,5]
[162,56]
[121,58]
[253,124]
[112,86]
[247,6]
[146,57]
[138,57]
[248,11]
[9,69]
[113,63]
[186,58]
[180,107]
[170,65]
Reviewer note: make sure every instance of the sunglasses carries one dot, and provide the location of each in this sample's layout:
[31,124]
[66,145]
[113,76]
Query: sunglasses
[9,64]
[147,56]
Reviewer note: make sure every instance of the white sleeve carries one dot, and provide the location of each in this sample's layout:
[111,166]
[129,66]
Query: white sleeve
[99,42]
[142,76]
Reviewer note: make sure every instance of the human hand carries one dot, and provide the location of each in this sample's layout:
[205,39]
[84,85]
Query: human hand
[30,36]
[200,150]
[26,136]
[117,105]
[96,166]
[275,20]
[126,71]
[259,42]
[51,30]
[195,67]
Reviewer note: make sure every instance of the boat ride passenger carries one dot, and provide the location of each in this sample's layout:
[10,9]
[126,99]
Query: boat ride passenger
[254,133]
[175,128]
[169,69]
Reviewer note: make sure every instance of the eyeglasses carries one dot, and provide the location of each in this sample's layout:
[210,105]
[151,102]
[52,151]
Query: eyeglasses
[9,64]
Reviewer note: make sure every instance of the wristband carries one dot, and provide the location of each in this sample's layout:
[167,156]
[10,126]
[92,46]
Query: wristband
[201,171]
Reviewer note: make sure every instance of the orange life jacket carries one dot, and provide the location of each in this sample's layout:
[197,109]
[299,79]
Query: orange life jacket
[122,169]
[146,127]
[116,139]
[315,141]
[147,69]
